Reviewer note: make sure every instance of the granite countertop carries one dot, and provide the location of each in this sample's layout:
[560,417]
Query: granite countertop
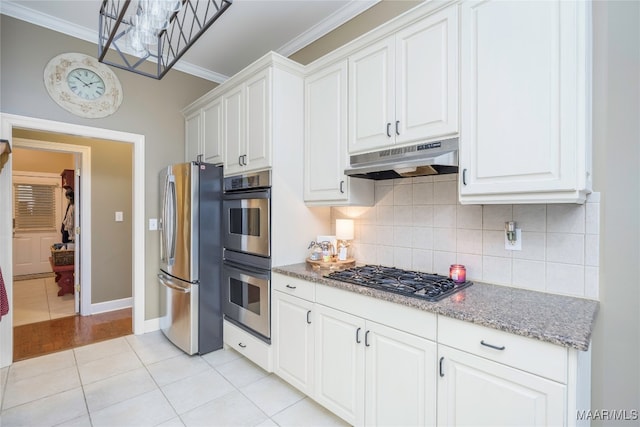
[558,319]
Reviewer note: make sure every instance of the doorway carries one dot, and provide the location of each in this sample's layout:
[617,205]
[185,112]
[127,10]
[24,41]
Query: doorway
[42,207]
[12,122]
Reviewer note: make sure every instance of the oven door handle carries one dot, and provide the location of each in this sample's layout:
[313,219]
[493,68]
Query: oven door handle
[243,268]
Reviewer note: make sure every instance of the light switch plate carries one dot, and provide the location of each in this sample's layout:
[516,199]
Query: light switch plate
[119,216]
[153,224]
[517,245]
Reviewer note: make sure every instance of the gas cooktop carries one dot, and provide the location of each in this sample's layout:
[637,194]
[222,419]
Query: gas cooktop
[425,286]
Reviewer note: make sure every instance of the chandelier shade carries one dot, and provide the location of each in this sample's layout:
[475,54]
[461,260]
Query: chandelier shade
[133,32]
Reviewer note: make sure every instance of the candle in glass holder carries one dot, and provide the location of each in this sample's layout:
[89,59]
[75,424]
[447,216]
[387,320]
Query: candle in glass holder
[458,273]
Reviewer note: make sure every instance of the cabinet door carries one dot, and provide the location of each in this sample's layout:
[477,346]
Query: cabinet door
[325,155]
[325,149]
[474,391]
[427,78]
[372,97]
[293,340]
[258,121]
[212,132]
[233,131]
[400,378]
[339,364]
[523,112]
[193,136]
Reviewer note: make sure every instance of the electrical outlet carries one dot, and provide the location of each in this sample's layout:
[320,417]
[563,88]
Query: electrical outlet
[514,246]
[153,224]
[119,216]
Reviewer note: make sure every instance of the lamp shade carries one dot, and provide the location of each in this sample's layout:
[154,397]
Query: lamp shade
[344,229]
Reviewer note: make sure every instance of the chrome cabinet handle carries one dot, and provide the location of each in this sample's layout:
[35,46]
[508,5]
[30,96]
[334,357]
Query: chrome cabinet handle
[397,127]
[358,336]
[308,320]
[239,160]
[242,345]
[291,287]
[388,130]
[366,339]
[244,160]
[495,347]
[464,176]
[342,187]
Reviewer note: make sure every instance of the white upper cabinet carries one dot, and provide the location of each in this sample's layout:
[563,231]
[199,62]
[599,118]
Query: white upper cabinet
[325,155]
[405,88]
[212,132]
[247,124]
[525,97]
[203,133]
[193,136]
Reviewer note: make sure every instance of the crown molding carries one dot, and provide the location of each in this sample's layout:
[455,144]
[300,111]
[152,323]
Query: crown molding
[346,13]
[18,11]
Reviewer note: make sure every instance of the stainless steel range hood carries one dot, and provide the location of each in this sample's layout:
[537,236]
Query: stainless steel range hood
[427,158]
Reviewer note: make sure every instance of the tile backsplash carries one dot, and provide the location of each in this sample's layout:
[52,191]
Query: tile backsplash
[417,223]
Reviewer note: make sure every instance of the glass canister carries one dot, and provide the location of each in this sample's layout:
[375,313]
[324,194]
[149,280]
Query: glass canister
[458,273]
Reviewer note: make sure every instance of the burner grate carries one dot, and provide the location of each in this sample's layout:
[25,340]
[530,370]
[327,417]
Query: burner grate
[425,286]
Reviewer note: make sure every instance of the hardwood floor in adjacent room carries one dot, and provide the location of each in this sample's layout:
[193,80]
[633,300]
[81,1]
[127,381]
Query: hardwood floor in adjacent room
[37,339]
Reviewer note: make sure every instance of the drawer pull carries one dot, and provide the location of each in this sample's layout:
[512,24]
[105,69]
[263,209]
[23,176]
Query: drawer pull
[291,287]
[242,345]
[495,347]
[441,371]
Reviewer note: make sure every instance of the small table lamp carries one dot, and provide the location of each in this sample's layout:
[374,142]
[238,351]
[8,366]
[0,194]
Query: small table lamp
[344,235]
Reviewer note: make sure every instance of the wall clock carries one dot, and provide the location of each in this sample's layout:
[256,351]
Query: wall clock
[82,85]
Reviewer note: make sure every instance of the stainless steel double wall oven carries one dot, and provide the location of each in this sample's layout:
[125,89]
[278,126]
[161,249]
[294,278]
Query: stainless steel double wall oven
[246,270]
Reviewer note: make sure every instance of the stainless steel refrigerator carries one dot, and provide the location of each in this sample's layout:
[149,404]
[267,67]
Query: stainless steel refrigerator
[191,256]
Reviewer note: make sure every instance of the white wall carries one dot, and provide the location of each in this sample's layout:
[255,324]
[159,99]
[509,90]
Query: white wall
[616,108]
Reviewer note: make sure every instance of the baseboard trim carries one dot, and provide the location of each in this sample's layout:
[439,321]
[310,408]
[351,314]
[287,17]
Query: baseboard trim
[118,304]
[151,325]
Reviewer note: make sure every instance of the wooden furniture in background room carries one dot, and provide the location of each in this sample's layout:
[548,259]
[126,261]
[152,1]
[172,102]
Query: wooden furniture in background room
[64,277]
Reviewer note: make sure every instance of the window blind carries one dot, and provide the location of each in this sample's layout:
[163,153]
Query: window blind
[34,207]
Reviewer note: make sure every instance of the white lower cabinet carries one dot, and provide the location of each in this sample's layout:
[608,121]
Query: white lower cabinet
[474,391]
[249,346]
[375,363]
[363,371]
[339,363]
[294,346]
[400,379]
[371,374]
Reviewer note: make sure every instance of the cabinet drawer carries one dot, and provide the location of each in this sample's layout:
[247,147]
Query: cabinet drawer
[292,286]
[249,346]
[537,357]
[398,316]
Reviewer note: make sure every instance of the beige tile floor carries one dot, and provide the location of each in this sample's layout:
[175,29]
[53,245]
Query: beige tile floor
[144,380]
[37,300]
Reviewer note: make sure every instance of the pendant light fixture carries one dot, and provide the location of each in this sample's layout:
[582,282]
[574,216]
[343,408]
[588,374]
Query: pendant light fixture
[134,31]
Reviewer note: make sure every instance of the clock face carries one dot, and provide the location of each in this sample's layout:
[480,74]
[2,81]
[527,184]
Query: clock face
[82,85]
[85,83]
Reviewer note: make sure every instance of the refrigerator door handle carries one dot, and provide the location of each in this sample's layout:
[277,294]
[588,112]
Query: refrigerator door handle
[163,280]
[169,220]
